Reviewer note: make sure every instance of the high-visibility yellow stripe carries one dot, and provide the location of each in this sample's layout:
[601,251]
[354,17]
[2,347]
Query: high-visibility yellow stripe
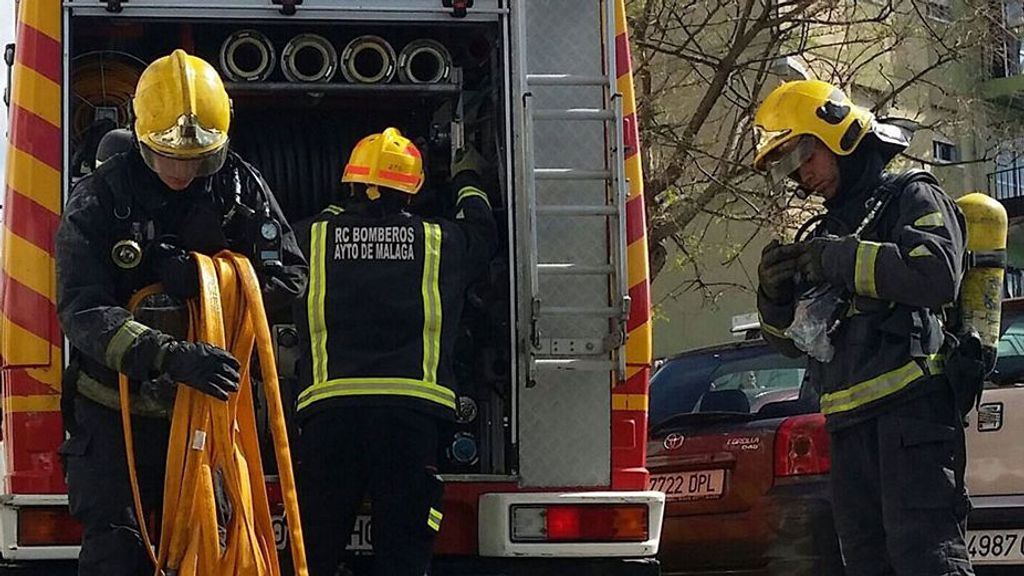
[315,302]
[33,179]
[864,268]
[41,403]
[23,348]
[434,518]
[932,220]
[472,191]
[123,339]
[43,16]
[920,252]
[332,209]
[36,93]
[878,387]
[431,300]
[28,264]
[345,387]
[636,402]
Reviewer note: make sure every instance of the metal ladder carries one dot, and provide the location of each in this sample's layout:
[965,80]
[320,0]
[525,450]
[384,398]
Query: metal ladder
[590,352]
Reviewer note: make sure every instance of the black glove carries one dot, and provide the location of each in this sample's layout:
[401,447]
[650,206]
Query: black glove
[177,270]
[810,262]
[776,272]
[202,366]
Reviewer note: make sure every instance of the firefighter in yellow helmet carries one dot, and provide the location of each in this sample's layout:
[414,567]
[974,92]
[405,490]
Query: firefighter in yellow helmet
[132,222]
[377,335]
[883,262]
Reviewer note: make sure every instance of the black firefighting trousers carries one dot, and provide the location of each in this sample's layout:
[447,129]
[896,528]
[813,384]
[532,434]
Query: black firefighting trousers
[390,453]
[99,492]
[899,499]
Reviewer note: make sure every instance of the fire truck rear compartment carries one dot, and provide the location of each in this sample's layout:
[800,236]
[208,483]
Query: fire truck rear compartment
[441,86]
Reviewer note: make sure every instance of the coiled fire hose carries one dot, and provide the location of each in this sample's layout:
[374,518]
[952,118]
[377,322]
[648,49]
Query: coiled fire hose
[214,448]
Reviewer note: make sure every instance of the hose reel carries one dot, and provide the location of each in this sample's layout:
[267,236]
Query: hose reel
[309,58]
[424,61]
[368,60]
[247,56]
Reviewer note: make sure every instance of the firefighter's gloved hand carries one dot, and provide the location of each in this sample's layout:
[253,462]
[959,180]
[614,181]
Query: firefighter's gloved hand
[777,270]
[202,366]
[177,270]
[467,159]
[810,262]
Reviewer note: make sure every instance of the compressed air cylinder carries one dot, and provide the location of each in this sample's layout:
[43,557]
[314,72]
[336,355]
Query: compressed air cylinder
[982,288]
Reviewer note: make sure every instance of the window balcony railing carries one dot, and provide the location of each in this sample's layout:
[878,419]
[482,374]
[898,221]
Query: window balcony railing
[1007,183]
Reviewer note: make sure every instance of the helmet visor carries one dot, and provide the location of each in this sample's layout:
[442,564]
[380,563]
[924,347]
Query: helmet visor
[184,168]
[781,163]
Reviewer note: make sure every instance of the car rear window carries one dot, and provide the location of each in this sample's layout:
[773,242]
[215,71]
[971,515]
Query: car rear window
[743,380]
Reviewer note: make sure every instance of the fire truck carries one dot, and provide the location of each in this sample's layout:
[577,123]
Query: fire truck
[544,468]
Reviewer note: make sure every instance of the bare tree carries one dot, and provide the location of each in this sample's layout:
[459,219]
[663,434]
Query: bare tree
[702,67]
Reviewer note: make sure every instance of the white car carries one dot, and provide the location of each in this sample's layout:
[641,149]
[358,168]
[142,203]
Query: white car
[995,455]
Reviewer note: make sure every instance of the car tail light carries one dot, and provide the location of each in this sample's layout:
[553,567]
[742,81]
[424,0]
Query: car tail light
[580,523]
[802,446]
[48,526]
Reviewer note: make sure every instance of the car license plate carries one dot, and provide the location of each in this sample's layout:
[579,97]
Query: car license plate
[681,486]
[996,546]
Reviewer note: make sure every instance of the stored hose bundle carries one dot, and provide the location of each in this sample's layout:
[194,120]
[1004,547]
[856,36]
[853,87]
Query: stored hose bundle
[216,515]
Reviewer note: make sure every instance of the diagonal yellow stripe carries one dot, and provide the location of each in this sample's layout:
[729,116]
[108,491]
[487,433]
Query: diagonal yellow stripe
[43,403]
[49,375]
[28,264]
[637,402]
[43,16]
[36,93]
[23,348]
[33,179]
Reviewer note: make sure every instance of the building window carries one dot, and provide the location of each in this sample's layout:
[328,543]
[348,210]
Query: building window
[945,152]
[941,10]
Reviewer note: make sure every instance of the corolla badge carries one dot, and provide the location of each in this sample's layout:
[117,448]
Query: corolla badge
[674,441]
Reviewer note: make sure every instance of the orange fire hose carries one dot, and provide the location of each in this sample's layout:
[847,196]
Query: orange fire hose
[215,443]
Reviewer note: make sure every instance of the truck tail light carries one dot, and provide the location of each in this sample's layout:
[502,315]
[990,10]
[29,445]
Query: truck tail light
[802,446]
[48,526]
[580,523]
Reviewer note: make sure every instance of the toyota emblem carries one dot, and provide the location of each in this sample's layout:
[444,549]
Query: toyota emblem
[674,441]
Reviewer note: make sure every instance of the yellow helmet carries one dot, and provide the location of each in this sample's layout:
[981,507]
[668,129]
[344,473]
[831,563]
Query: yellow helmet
[386,159]
[183,113]
[809,107]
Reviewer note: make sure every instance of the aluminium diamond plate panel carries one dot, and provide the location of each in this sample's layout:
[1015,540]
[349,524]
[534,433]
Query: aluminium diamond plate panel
[564,416]
[565,430]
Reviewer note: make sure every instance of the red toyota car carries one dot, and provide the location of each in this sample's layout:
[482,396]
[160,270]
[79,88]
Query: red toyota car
[741,452]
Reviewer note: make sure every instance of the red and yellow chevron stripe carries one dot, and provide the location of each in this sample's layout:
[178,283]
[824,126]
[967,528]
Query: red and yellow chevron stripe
[30,337]
[629,400]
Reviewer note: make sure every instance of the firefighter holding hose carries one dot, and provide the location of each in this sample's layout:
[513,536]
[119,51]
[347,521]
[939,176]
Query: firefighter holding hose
[132,223]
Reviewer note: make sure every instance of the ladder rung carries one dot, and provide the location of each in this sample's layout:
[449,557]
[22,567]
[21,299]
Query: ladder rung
[573,364]
[579,311]
[578,210]
[565,80]
[569,269]
[575,114]
[571,174]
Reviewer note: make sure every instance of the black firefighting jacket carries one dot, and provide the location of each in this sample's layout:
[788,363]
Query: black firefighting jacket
[125,200]
[385,297]
[898,275]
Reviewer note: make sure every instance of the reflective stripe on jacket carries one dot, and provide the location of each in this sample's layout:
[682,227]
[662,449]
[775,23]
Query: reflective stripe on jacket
[385,296]
[900,274]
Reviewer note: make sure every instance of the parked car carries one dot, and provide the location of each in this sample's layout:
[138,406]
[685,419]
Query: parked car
[995,455]
[739,448]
